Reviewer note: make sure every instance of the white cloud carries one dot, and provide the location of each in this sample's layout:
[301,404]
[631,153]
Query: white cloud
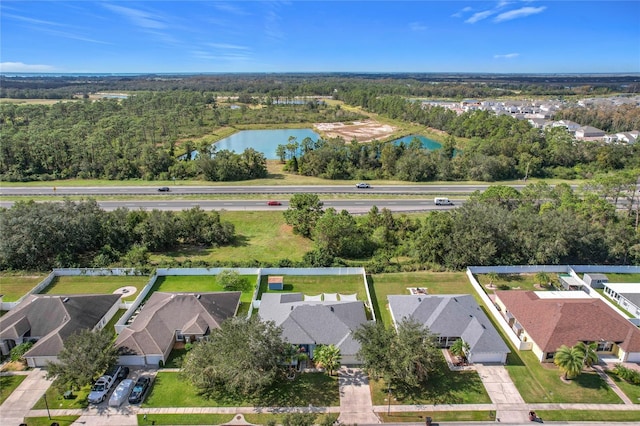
[31,20]
[479,16]
[230,8]
[417,26]
[461,12]
[22,67]
[519,13]
[139,18]
[507,56]
[228,46]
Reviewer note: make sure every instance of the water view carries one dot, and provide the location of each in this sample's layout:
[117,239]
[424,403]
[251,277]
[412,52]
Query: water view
[427,143]
[265,141]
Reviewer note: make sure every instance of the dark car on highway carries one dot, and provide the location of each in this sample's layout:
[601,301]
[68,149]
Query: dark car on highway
[164,189]
[139,390]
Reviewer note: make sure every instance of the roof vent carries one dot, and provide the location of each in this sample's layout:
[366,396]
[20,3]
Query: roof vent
[292,307]
[198,296]
[65,300]
[419,299]
[331,308]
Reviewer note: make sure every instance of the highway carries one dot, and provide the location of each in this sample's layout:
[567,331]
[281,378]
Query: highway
[239,190]
[352,206]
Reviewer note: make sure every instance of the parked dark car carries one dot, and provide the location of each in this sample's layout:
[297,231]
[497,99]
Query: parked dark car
[164,189]
[118,372]
[139,390]
[123,373]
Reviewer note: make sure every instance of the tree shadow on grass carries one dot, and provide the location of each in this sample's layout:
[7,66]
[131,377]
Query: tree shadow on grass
[279,176]
[374,298]
[240,240]
[317,389]
[590,381]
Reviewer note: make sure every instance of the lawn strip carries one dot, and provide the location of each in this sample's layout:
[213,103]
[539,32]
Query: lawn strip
[184,419]
[46,421]
[438,416]
[589,415]
[8,384]
[632,391]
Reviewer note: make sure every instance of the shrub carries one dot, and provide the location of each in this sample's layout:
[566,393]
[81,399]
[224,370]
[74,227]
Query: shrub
[232,281]
[17,353]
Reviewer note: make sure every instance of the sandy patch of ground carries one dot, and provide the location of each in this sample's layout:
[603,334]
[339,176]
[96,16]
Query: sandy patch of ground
[361,131]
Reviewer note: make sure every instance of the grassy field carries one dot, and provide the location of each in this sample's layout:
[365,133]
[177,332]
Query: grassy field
[107,284]
[444,387]
[438,416]
[540,382]
[45,421]
[382,285]
[514,281]
[14,286]
[171,390]
[589,415]
[316,284]
[261,237]
[8,384]
[203,283]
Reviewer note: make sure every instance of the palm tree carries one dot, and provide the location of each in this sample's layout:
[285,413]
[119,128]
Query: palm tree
[569,361]
[460,348]
[328,356]
[493,276]
[589,354]
[542,278]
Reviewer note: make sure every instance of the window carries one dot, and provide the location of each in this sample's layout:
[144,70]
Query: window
[604,347]
[179,336]
[550,355]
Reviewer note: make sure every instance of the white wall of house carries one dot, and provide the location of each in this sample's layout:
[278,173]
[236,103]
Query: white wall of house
[488,357]
[350,360]
[132,360]
[40,361]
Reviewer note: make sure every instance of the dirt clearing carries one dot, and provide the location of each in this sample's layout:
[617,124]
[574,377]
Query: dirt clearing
[361,131]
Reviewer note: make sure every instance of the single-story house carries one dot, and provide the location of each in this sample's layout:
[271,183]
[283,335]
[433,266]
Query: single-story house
[167,318]
[549,320]
[595,280]
[49,320]
[626,295]
[308,323]
[453,317]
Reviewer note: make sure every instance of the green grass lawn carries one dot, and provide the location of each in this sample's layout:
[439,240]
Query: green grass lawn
[8,384]
[316,284]
[263,418]
[515,281]
[104,284]
[540,382]
[112,322]
[589,415]
[57,401]
[261,236]
[438,416]
[203,283]
[382,285]
[45,421]
[14,286]
[184,419]
[631,390]
[171,390]
[623,278]
[444,387]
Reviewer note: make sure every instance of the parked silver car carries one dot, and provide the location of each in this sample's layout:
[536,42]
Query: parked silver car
[121,393]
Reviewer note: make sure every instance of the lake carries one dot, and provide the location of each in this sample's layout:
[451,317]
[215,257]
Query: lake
[427,143]
[265,141]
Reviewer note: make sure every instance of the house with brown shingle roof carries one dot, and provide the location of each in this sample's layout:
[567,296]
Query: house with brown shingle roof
[49,320]
[167,318]
[549,320]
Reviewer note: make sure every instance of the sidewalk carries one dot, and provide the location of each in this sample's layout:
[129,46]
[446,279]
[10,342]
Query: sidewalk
[18,405]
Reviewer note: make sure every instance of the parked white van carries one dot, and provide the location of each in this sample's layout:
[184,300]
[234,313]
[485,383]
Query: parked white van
[442,202]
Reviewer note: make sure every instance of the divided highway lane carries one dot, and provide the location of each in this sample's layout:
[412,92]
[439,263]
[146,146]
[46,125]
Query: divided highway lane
[203,190]
[352,206]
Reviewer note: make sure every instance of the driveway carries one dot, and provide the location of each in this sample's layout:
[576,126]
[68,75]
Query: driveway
[17,406]
[510,406]
[355,398]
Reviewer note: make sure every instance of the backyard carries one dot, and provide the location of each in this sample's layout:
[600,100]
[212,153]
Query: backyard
[382,285]
[318,284]
[202,284]
[101,284]
[514,281]
[14,286]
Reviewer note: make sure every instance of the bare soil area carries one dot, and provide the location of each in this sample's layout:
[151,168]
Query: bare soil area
[361,131]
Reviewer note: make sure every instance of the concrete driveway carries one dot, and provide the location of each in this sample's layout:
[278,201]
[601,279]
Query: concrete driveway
[355,398]
[503,393]
[17,406]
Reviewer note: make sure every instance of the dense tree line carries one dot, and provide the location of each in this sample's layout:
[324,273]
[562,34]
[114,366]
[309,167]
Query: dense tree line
[502,226]
[40,236]
[137,137]
[611,119]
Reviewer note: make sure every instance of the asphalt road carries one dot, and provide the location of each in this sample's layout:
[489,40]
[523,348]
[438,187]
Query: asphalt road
[352,206]
[237,190]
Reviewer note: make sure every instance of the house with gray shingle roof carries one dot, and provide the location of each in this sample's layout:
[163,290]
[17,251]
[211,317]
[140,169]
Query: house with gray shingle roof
[453,317]
[309,323]
[167,318]
[49,320]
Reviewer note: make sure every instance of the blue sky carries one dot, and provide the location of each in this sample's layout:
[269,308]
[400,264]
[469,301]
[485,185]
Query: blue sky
[320,36]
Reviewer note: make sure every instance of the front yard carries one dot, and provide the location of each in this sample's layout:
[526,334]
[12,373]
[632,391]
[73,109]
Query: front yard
[318,389]
[8,384]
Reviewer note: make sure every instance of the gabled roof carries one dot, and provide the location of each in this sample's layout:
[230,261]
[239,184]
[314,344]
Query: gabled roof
[52,319]
[314,322]
[153,330]
[555,321]
[455,315]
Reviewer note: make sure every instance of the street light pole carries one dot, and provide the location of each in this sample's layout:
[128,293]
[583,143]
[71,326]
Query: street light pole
[47,405]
